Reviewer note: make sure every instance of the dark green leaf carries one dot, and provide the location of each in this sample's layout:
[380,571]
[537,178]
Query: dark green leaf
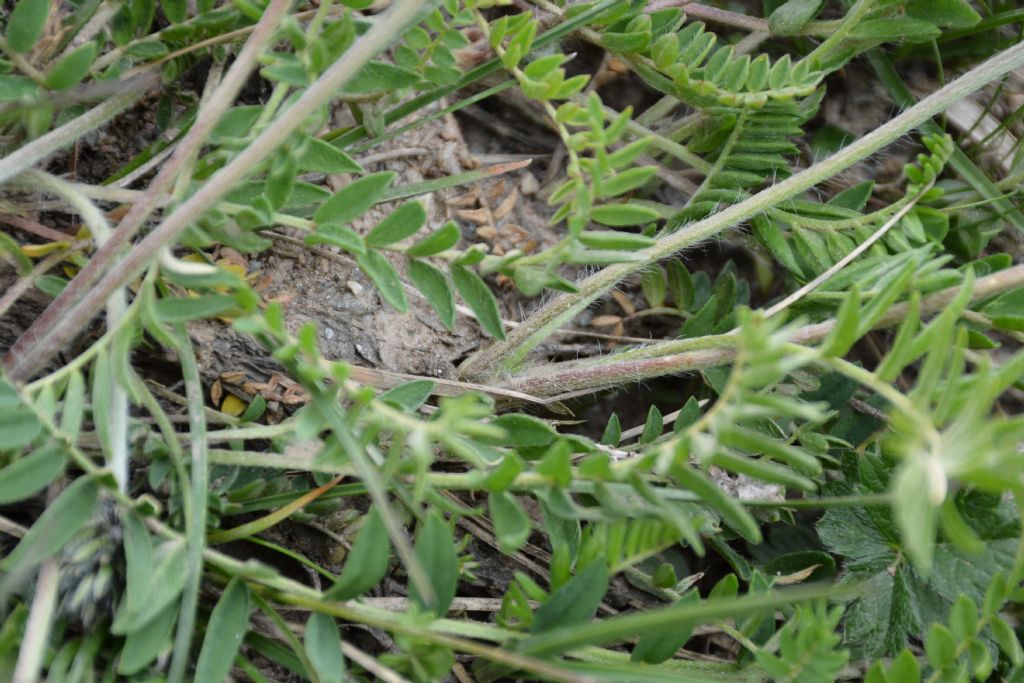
[896,29]
[480,299]
[435,549]
[574,603]
[406,220]
[953,13]
[228,624]
[383,274]
[432,283]
[147,642]
[354,199]
[366,563]
[612,431]
[655,648]
[159,589]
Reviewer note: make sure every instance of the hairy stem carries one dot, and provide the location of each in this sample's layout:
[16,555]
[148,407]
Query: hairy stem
[508,356]
[706,352]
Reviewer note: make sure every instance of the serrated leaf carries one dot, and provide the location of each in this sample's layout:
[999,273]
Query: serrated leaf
[323,157]
[228,623]
[480,299]
[404,221]
[383,274]
[435,549]
[27,476]
[323,647]
[511,525]
[655,648]
[71,68]
[354,199]
[366,563]
[575,602]
[432,283]
[618,215]
[25,24]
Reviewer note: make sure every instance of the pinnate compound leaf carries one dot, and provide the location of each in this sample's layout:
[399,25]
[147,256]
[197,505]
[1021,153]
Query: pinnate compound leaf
[228,624]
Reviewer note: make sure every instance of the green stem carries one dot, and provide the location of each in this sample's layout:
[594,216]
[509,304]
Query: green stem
[508,356]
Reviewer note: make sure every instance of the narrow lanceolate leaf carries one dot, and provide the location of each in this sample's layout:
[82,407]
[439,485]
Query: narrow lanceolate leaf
[623,214]
[27,476]
[367,563]
[575,602]
[434,286]
[25,24]
[435,549]
[72,68]
[404,221]
[323,157]
[228,624]
[55,527]
[610,239]
[478,296]
[354,199]
[383,274]
[323,647]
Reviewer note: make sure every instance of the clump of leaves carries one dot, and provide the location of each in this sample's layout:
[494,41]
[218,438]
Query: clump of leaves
[835,495]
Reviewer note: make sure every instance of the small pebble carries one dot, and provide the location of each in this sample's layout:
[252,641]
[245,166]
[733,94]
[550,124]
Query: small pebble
[354,287]
[528,185]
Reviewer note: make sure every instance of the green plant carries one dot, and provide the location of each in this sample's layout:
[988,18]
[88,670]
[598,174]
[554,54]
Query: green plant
[857,370]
